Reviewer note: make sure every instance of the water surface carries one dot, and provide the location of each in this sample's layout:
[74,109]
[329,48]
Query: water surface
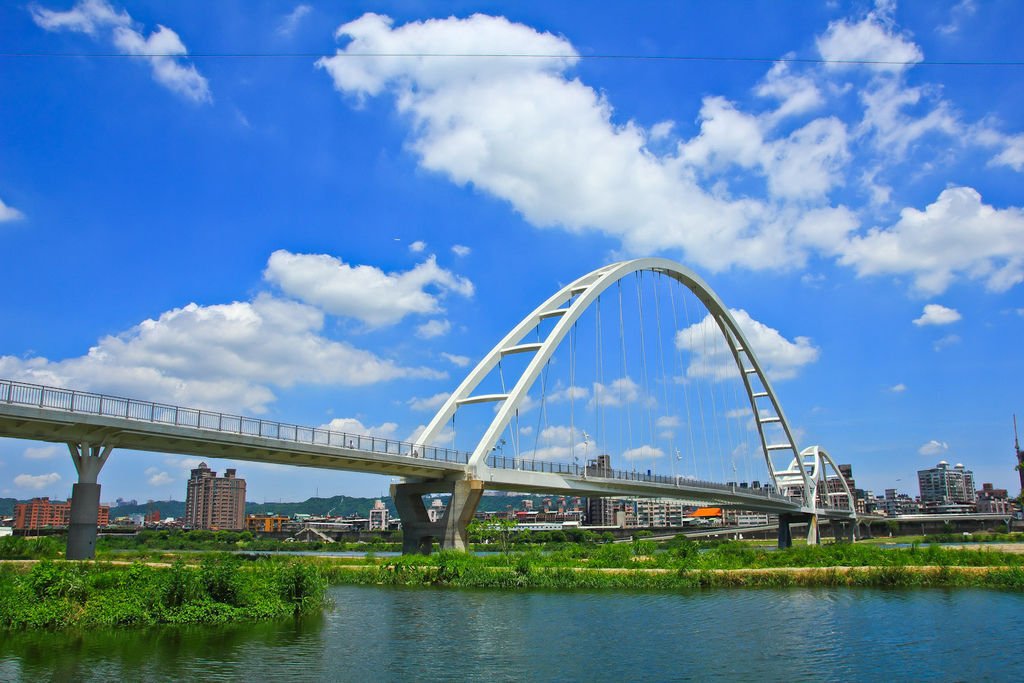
[394,634]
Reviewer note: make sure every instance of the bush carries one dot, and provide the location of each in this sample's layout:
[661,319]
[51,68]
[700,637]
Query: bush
[50,580]
[302,586]
[219,577]
[26,548]
[179,585]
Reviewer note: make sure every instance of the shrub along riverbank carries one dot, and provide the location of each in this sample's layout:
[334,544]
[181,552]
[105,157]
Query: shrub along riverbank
[687,565]
[220,589]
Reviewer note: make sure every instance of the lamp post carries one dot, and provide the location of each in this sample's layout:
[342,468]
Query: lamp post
[586,452]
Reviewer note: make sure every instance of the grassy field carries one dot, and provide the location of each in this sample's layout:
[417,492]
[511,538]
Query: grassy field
[153,586]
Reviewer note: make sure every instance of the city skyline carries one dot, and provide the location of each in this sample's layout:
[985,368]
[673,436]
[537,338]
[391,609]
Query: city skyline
[327,239]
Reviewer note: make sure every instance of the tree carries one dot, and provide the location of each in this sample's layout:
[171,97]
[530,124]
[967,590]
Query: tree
[494,530]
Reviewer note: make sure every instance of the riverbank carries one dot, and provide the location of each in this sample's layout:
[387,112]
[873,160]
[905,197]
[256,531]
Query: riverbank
[217,590]
[583,578]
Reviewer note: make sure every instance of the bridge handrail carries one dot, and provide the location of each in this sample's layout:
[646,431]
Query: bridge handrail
[73,401]
[499,461]
[70,400]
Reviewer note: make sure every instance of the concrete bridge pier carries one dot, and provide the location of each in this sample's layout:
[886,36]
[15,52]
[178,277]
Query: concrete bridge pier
[785,535]
[418,532]
[85,500]
[813,535]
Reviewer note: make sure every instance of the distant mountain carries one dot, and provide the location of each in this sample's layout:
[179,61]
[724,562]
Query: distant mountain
[167,508]
[7,506]
[339,506]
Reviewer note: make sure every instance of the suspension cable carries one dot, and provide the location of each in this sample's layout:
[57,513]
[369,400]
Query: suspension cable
[678,357]
[625,375]
[669,409]
[643,365]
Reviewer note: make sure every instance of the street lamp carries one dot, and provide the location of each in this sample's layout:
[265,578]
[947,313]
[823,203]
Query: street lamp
[586,451]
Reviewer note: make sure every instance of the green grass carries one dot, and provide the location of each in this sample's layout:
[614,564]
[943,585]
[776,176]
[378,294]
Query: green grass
[689,565]
[221,589]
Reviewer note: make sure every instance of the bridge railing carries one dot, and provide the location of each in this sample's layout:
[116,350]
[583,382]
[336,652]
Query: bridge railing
[572,469]
[69,400]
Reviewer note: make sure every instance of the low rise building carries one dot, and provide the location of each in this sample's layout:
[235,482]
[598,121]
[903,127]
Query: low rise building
[993,501]
[266,524]
[42,512]
[379,516]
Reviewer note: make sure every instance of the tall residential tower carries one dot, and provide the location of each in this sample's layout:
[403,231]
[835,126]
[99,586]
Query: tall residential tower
[214,502]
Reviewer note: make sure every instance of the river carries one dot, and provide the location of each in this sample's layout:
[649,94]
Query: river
[390,634]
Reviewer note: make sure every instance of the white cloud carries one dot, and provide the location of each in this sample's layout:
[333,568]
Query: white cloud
[898,388]
[461,250]
[559,442]
[644,452]
[893,130]
[44,452]
[960,12]
[524,131]
[363,292]
[167,70]
[442,440]
[1012,154]
[417,246]
[456,360]
[948,340]
[36,482]
[804,165]
[620,392]
[956,236]
[668,422]
[433,328]
[185,464]
[290,23]
[162,49]
[350,425]
[779,357]
[661,130]
[1012,147]
[428,403]
[225,356]
[796,94]
[936,314]
[873,39]
[159,478]
[531,133]
[9,213]
[933,448]
[569,394]
[87,16]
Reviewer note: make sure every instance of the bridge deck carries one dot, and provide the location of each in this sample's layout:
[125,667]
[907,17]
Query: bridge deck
[65,416]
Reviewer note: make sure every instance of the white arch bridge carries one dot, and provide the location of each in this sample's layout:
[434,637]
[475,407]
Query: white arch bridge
[799,484]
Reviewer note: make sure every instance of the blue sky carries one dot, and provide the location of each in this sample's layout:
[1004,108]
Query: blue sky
[311,236]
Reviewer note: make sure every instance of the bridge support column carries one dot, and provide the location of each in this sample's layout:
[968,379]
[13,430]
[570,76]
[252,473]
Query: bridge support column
[785,535]
[812,530]
[418,532]
[85,500]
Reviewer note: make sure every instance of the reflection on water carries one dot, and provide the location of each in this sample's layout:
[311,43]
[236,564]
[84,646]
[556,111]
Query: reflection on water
[377,634]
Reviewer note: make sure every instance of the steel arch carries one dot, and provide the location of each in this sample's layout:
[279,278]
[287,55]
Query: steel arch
[579,295]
